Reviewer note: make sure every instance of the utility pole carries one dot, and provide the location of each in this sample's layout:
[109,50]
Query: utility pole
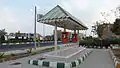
[35,27]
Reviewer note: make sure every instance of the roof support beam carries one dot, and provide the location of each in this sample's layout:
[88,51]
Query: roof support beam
[78,37]
[74,31]
[64,27]
[55,36]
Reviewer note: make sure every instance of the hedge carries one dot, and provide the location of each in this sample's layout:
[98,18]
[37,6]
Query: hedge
[15,41]
[115,41]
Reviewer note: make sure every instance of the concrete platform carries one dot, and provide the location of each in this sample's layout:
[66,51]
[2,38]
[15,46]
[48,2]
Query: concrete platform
[65,55]
[70,57]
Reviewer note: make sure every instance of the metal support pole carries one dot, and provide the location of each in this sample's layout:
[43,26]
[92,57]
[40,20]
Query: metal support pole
[74,31]
[85,33]
[55,36]
[64,27]
[78,37]
[35,27]
[43,32]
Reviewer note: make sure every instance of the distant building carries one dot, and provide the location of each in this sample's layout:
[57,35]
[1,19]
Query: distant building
[25,35]
[49,38]
[11,36]
[81,36]
[39,37]
[31,36]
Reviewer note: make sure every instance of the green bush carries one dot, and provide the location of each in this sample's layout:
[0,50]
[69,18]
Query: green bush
[115,41]
[15,41]
[12,54]
[86,42]
[29,50]
[2,55]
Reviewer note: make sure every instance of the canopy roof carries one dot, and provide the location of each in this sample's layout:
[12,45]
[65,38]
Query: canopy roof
[63,19]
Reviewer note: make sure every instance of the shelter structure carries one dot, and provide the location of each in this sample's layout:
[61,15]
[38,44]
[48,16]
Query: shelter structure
[69,57]
[59,17]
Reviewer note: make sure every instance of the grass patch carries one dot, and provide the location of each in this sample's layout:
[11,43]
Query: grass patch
[29,52]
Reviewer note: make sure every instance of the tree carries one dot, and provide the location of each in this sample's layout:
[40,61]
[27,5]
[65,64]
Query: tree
[2,38]
[22,38]
[2,34]
[16,37]
[98,28]
[18,33]
[116,27]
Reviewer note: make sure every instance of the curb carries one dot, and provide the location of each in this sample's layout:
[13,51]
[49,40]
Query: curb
[75,63]
[49,64]
[114,58]
[97,47]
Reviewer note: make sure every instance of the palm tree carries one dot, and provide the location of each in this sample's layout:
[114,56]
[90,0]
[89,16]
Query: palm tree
[2,56]
[2,34]
[29,51]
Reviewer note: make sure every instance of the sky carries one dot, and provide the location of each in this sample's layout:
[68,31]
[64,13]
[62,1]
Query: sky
[19,14]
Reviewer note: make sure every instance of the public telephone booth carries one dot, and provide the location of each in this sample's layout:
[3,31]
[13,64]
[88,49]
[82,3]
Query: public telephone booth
[65,37]
[74,38]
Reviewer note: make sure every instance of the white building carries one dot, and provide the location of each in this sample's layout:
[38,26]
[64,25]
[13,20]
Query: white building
[25,35]
[81,35]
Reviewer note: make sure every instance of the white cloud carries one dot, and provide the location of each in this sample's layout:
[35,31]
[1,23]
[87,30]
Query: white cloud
[7,19]
[88,11]
[77,4]
[7,15]
[107,6]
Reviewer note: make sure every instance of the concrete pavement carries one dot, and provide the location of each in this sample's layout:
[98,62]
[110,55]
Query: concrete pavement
[99,58]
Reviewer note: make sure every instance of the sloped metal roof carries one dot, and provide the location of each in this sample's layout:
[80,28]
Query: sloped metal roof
[62,17]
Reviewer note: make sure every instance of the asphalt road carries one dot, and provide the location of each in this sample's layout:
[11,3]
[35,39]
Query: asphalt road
[4,48]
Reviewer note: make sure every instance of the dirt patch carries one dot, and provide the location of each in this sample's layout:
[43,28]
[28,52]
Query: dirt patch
[116,52]
[16,63]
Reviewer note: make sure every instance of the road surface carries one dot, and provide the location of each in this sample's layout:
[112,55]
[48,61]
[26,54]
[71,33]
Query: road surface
[4,48]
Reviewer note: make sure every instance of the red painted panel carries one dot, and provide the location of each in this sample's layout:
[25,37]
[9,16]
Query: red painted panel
[64,37]
[74,37]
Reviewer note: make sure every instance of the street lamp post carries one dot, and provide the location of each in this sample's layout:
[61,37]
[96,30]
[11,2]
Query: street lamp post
[35,27]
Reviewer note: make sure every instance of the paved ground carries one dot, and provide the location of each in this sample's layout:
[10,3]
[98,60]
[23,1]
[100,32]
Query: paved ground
[69,59]
[24,62]
[66,52]
[99,58]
